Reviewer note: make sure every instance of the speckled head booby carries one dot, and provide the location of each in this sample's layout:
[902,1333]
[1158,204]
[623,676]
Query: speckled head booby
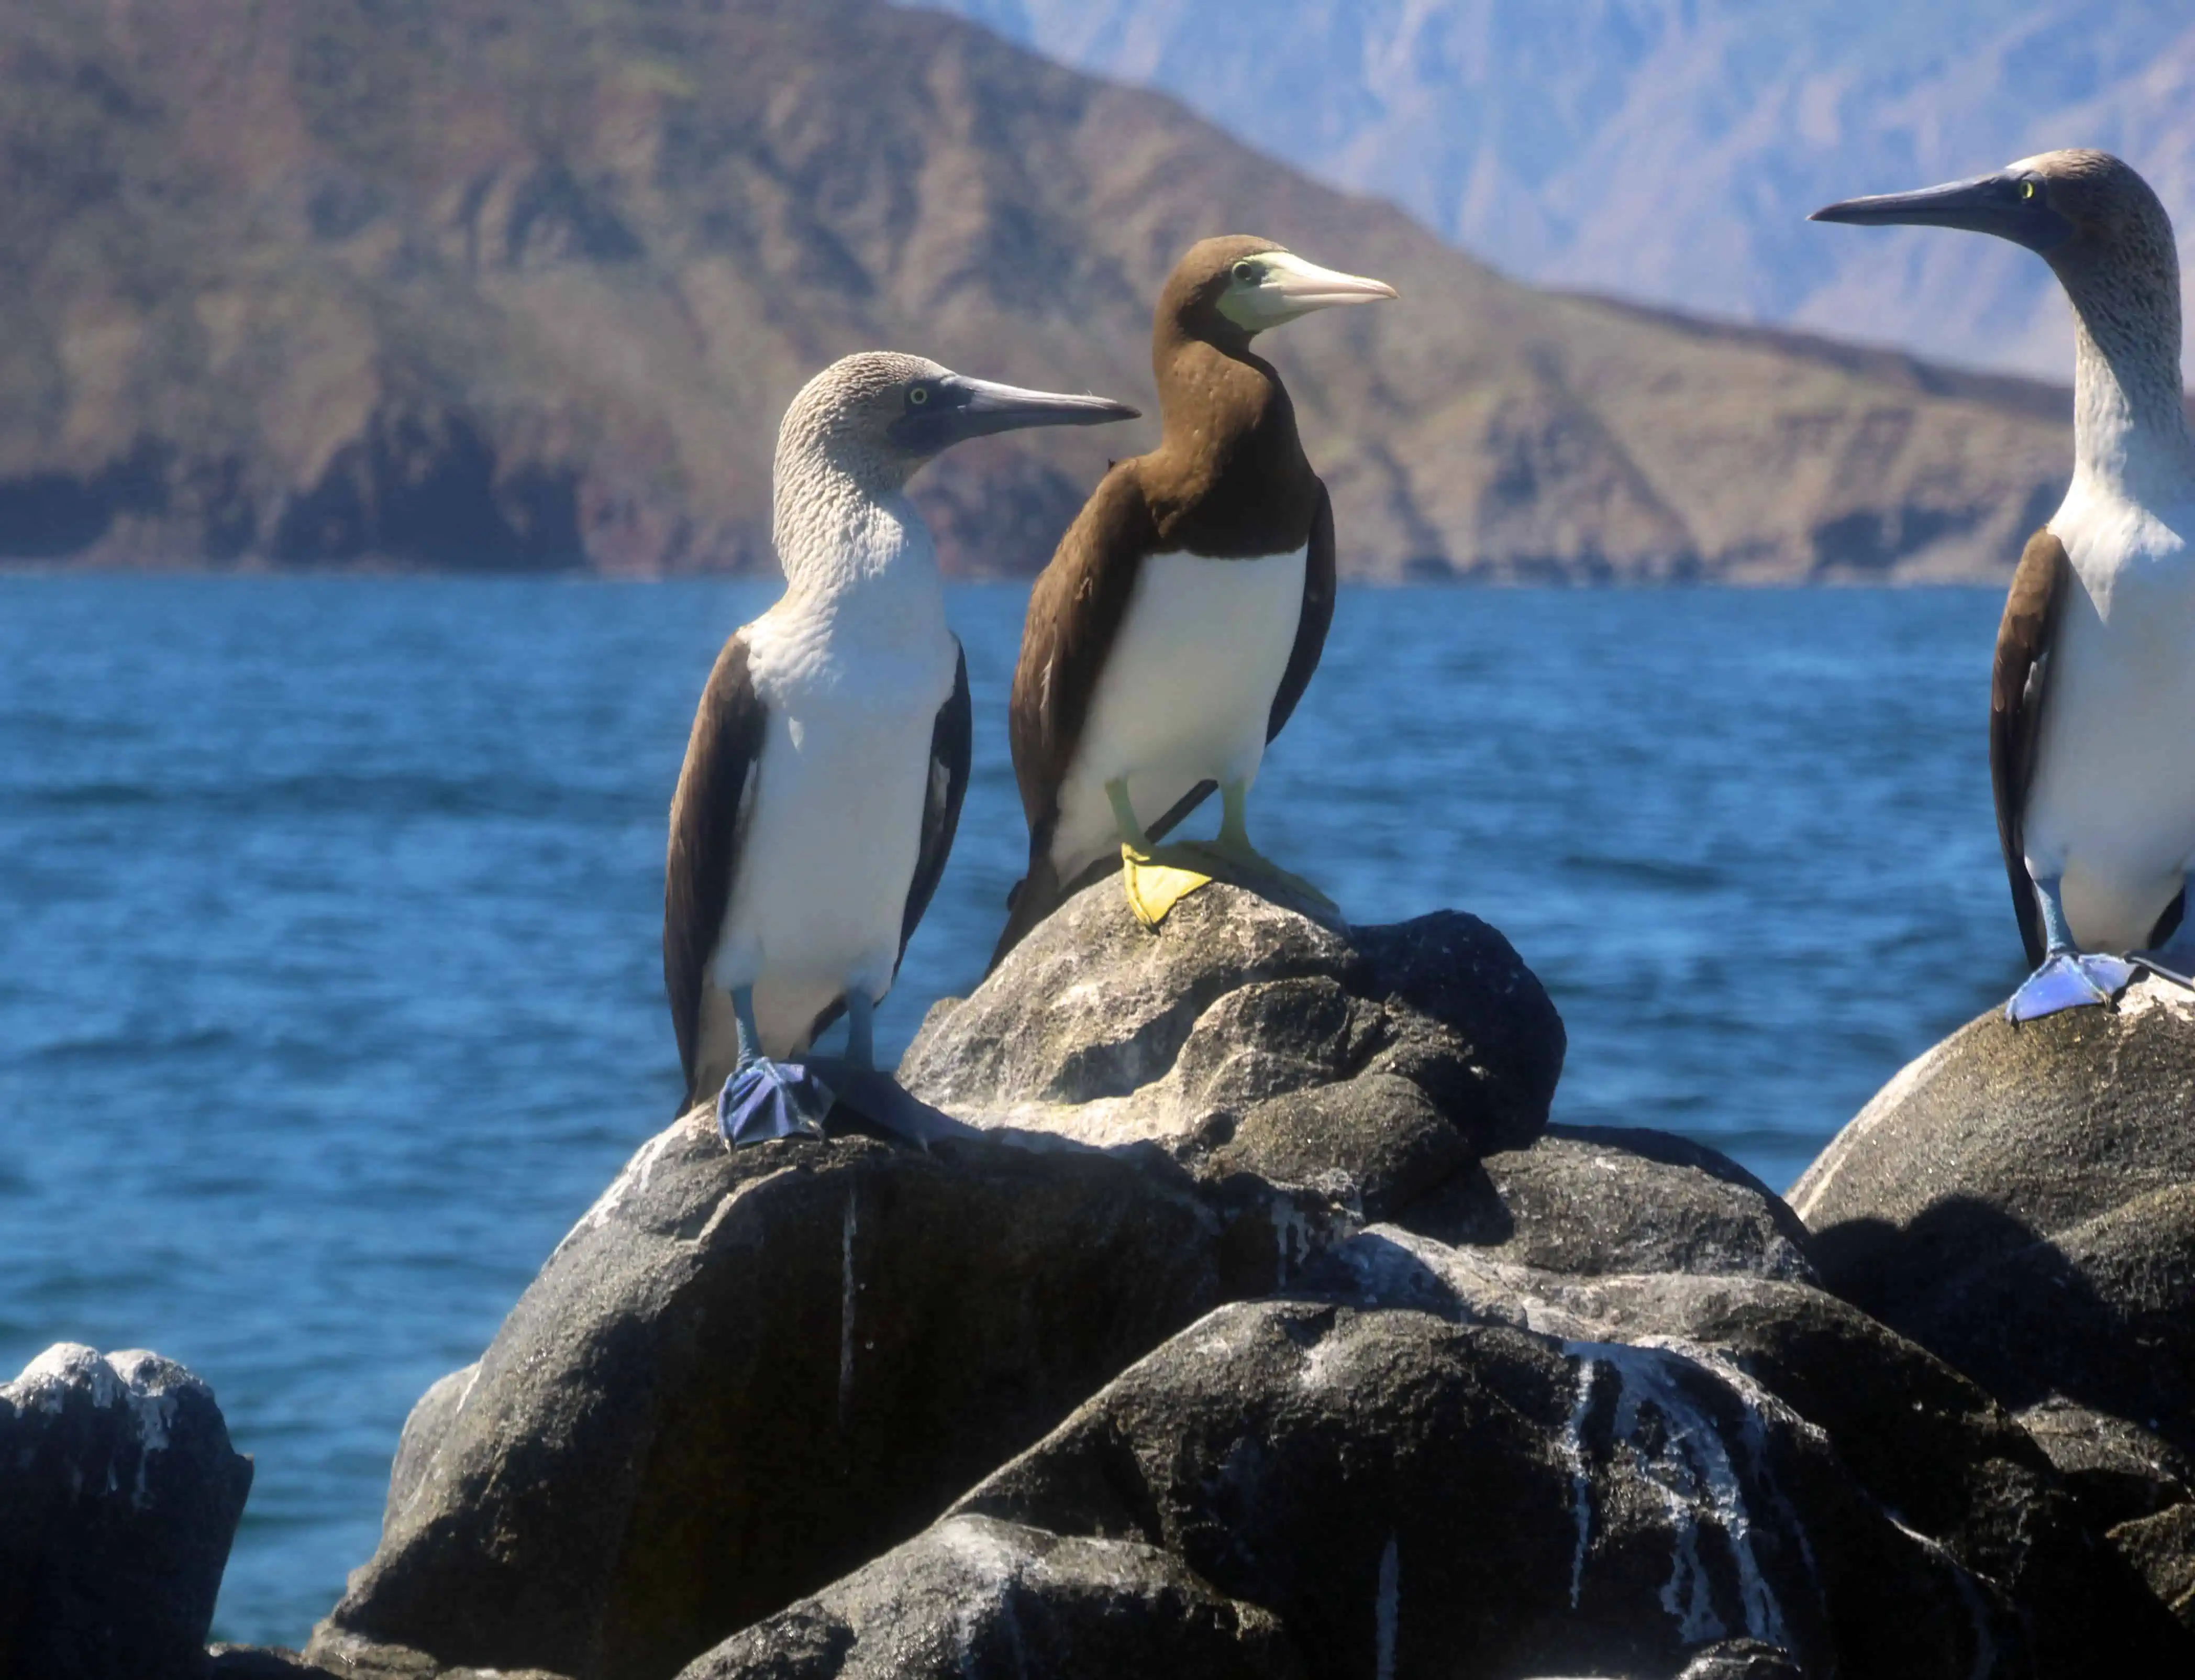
[1185,610]
[2092,704]
[824,776]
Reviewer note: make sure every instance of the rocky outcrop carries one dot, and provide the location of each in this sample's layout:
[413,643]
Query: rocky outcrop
[744,1375]
[1245,1035]
[2022,1200]
[119,1495]
[1429,1462]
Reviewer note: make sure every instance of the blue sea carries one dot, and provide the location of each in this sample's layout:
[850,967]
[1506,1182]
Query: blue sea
[330,985]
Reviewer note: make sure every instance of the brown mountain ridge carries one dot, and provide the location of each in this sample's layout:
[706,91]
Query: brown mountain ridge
[526,284]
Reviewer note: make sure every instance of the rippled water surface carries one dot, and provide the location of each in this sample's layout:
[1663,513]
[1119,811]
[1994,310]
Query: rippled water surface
[330,991]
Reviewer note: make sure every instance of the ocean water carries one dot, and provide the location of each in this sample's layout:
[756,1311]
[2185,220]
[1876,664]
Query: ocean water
[329,986]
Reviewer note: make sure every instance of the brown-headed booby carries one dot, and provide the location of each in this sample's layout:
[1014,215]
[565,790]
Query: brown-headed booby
[1181,618]
[823,780]
[2092,700]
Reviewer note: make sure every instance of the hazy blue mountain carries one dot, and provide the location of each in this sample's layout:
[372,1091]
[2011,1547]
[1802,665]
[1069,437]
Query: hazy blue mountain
[1669,149]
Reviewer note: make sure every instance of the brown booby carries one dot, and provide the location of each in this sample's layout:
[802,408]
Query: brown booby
[824,776]
[1185,610]
[2092,700]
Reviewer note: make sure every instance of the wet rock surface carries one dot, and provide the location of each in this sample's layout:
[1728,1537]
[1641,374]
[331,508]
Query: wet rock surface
[120,1496]
[1245,1035]
[744,1375]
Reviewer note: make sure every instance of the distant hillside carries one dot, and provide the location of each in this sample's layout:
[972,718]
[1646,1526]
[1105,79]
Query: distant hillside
[526,283]
[1669,149]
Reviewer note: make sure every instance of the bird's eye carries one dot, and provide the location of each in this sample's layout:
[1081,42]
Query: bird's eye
[917,396]
[2027,189]
[1246,274]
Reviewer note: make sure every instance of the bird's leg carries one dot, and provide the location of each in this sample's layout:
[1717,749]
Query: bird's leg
[763,1099]
[2175,960]
[866,1090]
[2068,979]
[1154,877]
[1232,849]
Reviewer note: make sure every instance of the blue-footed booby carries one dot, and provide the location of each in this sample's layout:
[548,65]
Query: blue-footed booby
[1185,610]
[2092,700]
[824,776]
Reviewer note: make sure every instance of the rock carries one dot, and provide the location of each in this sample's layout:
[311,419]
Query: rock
[1922,1439]
[975,1599]
[745,1374]
[1415,1495]
[119,1495]
[2118,1470]
[1245,1035]
[2161,1549]
[1594,1199]
[260,1662]
[2022,1201]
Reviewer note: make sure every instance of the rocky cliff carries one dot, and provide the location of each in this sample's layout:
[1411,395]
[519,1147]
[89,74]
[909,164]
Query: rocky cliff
[497,284]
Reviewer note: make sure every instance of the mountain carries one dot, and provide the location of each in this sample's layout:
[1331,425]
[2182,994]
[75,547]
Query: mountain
[527,283]
[1669,150]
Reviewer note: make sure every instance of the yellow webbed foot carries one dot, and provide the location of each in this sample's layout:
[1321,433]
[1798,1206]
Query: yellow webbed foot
[1155,886]
[1246,866]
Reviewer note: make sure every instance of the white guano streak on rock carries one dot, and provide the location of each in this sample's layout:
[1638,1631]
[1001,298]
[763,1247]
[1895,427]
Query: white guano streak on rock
[1969,1594]
[1581,1479]
[1885,1102]
[1386,1613]
[847,1291]
[126,1377]
[635,1174]
[1693,1466]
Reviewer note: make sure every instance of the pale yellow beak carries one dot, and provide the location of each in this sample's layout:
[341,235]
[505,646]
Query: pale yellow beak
[1291,287]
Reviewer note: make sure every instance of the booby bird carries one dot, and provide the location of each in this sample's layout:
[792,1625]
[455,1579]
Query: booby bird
[2092,700]
[1185,610]
[823,779]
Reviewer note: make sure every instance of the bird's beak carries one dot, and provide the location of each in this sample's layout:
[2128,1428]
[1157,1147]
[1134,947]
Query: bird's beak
[1292,287]
[960,408]
[2015,208]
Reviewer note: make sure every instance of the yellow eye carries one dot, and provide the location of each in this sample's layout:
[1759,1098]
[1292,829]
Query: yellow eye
[917,396]
[2027,189]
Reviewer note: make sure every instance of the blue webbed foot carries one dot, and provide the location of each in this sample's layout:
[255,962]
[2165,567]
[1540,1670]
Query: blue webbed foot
[764,1100]
[867,1094]
[2068,980]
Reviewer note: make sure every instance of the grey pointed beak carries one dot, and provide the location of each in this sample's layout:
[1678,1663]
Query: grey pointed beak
[2012,207]
[958,409]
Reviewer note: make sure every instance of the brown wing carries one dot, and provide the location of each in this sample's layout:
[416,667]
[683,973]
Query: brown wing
[2018,685]
[707,820]
[950,745]
[1317,616]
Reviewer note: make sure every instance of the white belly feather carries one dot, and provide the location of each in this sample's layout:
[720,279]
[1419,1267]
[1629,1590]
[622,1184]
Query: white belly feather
[834,825]
[2112,808]
[1186,692]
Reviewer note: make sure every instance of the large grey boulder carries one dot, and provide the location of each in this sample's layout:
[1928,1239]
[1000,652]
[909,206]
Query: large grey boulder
[978,1599]
[745,1374]
[1416,1496]
[1245,1035]
[119,1495]
[1596,1199]
[2022,1201]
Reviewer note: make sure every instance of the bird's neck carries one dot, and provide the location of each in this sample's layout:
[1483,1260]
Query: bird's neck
[1226,406]
[2130,435]
[851,547]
